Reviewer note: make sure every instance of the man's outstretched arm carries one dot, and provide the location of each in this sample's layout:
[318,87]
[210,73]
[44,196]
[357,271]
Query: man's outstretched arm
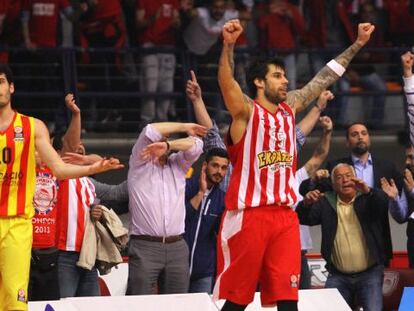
[236,102]
[194,93]
[72,138]
[312,117]
[322,149]
[168,128]
[300,99]
[64,170]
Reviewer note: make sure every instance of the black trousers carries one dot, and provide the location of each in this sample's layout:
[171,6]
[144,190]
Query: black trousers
[43,282]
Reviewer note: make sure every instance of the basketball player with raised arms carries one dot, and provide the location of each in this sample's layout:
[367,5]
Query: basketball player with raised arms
[259,236]
[20,136]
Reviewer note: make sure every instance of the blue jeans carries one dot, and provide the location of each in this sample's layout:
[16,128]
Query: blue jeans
[366,286]
[75,281]
[203,285]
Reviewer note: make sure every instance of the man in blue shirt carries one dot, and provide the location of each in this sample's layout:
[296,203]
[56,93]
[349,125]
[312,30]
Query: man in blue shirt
[204,201]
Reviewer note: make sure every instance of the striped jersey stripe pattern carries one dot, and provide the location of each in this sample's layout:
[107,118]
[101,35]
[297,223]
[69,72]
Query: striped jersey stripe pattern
[17,168]
[264,161]
[75,197]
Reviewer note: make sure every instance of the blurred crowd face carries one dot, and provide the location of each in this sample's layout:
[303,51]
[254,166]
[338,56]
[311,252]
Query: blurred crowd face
[358,139]
[343,184]
[278,7]
[217,9]
[368,13]
[409,158]
[186,5]
[216,170]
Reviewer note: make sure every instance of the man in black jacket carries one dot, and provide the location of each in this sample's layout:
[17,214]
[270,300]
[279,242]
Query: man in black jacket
[370,169]
[351,219]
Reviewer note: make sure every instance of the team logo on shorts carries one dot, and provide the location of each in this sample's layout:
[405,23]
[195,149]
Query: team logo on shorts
[294,279]
[21,295]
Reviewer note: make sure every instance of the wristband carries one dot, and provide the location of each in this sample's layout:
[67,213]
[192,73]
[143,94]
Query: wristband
[336,67]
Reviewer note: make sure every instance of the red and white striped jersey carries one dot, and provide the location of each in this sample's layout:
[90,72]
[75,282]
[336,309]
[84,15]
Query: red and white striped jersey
[264,161]
[75,197]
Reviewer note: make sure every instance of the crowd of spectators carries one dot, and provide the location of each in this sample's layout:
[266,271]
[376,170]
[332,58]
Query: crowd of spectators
[195,25]
[157,28]
[168,239]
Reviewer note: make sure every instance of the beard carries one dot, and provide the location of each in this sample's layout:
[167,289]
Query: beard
[273,96]
[214,179]
[360,149]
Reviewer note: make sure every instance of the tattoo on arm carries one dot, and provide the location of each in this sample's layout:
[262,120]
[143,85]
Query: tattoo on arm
[346,56]
[323,79]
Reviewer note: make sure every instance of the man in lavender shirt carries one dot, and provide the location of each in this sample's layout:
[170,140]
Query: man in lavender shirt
[158,254]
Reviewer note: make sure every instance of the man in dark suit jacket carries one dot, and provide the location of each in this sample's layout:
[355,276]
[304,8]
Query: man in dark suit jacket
[351,219]
[370,169]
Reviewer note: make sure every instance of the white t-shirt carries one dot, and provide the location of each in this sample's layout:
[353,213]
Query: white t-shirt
[204,31]
[305,237]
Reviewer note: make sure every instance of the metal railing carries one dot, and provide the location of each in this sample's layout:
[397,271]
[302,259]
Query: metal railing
[107,86]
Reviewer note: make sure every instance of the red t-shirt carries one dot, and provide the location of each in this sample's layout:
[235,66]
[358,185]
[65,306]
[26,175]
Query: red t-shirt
[3,6]
[106,8]
[400,19]
[277,30]
[11,26]
[161,31]
[44,202]
[44,16]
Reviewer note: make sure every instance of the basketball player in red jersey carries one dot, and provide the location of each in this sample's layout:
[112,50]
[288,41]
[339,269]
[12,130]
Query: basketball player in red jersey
[20,136]
[259,237]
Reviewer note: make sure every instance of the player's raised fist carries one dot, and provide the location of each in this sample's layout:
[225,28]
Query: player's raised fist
[231,31]
[364,32]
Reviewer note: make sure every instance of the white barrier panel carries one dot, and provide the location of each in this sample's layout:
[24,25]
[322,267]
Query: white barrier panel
[326,299]
[60,305]
[117,280]
[184,302]
[309,300]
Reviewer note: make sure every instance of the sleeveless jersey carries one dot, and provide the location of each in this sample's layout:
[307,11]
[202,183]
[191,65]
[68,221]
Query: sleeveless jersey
[264,161]
[17,167]
[44,202]
[74,200]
